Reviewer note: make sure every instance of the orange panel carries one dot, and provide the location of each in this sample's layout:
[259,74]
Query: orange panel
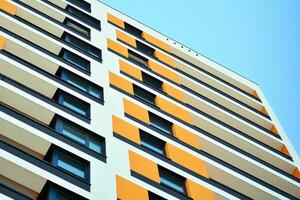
[173,109]
[198,192]
[274,130]
[115,20]
[187,160]
[165,58]
[8,7]
[126,129]
[173,92]
[264,111]
[127,190]
[120,82]
[144,166]
[136,111]
[165,72]
[117,47]
[156,42]
[186,136]
[130,70]
[296,173]
[2,42]
[255,94]
[284,150]
[126,38]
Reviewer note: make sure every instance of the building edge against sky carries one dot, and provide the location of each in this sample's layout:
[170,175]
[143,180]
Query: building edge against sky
[95,105]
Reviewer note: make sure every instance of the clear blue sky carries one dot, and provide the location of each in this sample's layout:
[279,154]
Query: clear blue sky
[259,39]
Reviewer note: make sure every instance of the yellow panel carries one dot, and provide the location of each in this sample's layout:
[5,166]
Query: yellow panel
[165,58]
[115,20]
[187,160]
[144,166]
[121,83]
[126,38]
[127,190]
[173,109]
[186,136]
[2,42]
[264,111]
[156,42]
[131,70]
[136,111]
[173,92]
[8,7]
[198,192]
[296,173]
[126,129]
[165,72]
[117,47]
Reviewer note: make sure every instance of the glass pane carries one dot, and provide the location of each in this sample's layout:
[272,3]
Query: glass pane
[71,165]
[76,60]
[73,133]
[95,145]
[75,26]
[70,104]
[160,123]
[62,196]
[95,92]
[73,80]
[172,184]
[152,143]
[153,147]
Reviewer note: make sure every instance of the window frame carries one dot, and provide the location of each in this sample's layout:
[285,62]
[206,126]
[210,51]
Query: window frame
[60,97]
[57,124]
[156,118]
[154,142]
[83,46]
[167,173]
[68,20]
[65,75]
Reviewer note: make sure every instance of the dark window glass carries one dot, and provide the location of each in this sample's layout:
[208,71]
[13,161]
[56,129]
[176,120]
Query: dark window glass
[68,162]
[85,17]
[78,28]
[131,29]
[81,83]
[172,180]
[138,59]
[145,48]
[79,134]
[52,191]
[152,143]
[153,196]
[160,123]
[72,103]
[144,94]
[75,59]
[82,4]
[82,45]
[152,82]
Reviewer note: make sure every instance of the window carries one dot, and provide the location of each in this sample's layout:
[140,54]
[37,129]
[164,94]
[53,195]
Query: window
[160,123]
[75,60]
[85,17]
[138,59]
[152,143]
[68,162]
[153,196]
[72,103]
[74,41]
[172,180]
[78,28]
[82,4]
[52,191]
[131,29]
[79,134]
[144,48]
[144,94]
[80,83]
[151,81]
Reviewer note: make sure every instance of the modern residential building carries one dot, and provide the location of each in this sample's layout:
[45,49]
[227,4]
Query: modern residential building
[95,105]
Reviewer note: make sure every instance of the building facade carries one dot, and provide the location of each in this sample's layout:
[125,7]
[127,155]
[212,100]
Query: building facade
[95,105]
